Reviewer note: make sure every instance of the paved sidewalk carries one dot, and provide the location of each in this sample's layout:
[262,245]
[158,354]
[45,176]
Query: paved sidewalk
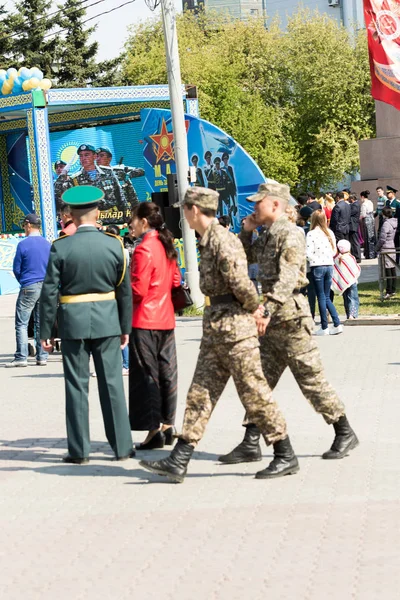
[110,531]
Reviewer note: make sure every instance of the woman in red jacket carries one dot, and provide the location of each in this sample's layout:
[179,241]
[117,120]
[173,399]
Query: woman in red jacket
[152,352]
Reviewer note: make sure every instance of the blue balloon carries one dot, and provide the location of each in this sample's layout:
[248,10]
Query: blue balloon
[25,73]
[35,72]
[3,77]
[17,87]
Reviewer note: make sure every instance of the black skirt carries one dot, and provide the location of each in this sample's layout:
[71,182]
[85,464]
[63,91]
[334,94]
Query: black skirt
[153,379]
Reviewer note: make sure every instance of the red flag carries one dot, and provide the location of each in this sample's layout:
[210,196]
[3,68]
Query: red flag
[382,18]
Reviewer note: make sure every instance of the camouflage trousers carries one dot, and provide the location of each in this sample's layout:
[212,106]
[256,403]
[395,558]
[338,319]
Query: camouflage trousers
[215,365]
[291,344]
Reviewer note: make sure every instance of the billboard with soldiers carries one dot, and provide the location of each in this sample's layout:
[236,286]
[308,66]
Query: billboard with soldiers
[218,161]
[109,157]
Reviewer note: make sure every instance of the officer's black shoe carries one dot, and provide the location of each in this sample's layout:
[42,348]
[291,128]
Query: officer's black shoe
[75,461]
[249,449]
[175,465]
[284,462]
[131,454]
[345,440]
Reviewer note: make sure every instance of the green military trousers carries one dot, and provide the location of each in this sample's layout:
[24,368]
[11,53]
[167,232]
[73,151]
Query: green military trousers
[107,361]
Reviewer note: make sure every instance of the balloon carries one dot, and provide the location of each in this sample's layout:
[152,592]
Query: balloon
[2,78]
[34,81]
[35,72]
[26,86]
[17,87]
[3,72]
[12,73]
[45,84]
[25,73]
[5,89]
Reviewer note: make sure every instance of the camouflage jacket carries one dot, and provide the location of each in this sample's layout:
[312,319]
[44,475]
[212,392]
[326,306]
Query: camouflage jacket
[280,253]
[105,180]
[223,270]
[128,191]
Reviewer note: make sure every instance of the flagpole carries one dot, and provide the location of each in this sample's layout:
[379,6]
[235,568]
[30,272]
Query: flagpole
[180,145]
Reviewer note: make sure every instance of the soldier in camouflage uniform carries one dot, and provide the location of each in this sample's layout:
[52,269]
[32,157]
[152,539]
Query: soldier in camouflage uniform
[229,346]
[100,177]
[123,174]
[280,254]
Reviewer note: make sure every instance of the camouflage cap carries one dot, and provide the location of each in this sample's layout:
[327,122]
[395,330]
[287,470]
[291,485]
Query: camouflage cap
[201,197]
[273,190]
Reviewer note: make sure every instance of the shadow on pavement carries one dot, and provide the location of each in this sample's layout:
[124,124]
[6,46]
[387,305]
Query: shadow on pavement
[40,375]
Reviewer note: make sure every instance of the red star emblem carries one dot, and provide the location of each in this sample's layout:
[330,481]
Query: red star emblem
[164,141]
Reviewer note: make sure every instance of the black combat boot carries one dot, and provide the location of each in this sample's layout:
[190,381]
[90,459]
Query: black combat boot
[284,462]
[249,449]
[175,465]
[345,440]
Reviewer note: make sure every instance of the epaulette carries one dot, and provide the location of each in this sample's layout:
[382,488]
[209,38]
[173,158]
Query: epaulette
[123,254]
[61,238]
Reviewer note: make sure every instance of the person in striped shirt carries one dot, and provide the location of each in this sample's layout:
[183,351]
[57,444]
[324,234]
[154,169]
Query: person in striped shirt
[346,272]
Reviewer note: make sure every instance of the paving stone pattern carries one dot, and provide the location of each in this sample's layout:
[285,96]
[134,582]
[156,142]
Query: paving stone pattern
[111,531]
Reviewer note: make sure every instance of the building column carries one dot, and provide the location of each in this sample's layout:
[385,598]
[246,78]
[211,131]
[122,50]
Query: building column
[42,176]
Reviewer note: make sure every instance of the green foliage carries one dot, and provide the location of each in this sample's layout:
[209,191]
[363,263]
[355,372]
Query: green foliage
[76,58]
[298,101]
[29,46]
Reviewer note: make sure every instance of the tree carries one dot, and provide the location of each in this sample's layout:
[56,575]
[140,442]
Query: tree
[5,41]
[29,26]
[298,100]
[76,54]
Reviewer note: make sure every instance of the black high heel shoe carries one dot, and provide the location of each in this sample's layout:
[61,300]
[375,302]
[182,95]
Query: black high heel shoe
[169,435]
[157,441]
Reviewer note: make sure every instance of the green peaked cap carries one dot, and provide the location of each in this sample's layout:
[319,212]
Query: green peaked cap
[82,196]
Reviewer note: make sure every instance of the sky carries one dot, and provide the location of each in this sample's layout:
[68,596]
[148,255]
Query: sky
[112,29]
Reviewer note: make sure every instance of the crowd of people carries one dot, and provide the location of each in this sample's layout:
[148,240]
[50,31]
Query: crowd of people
[338,228]
[99,306]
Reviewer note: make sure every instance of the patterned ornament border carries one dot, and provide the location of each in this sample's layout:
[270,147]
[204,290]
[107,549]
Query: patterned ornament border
[154,92]
[46,188]
[192,107]
[7,198]
[34,165]
[20,101]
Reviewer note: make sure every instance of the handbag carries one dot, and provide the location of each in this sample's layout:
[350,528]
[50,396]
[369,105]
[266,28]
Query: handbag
[181,297]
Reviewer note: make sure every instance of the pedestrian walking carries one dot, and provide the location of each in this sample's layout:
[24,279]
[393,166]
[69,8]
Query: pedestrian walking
[29,267]
[280,253]
[229,347]
[153,370]
[87,274]
[321,248]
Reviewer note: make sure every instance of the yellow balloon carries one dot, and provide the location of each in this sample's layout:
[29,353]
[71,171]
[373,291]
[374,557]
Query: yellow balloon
[45,84]
[5,89]
[3,72]
[34,81]
[26,86]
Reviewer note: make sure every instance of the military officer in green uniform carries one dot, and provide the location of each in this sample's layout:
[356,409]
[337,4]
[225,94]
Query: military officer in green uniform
[91,174]
[88,280]
[122,173]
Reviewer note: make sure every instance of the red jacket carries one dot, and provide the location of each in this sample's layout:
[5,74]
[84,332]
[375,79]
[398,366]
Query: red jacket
[153,276]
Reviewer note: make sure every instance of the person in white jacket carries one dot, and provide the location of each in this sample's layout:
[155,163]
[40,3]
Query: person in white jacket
[321,248]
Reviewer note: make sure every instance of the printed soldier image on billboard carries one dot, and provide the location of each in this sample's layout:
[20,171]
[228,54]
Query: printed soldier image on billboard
[108,157]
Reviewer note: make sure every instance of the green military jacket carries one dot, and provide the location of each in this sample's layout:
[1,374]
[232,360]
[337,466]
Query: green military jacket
[280,253]
[88,262]
[223,270]
[106,180]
